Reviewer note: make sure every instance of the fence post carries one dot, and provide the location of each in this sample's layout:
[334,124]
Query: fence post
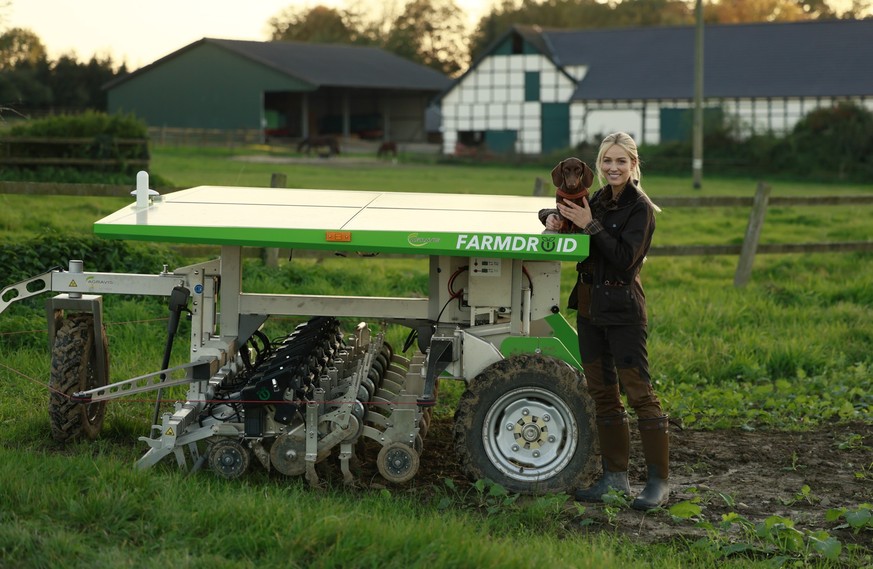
[753,233]
[270,255]
[539,188]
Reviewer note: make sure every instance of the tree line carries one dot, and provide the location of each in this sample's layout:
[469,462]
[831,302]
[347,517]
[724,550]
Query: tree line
[31,83]
[434,33]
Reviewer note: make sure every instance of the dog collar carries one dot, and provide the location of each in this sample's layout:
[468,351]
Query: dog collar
[561,194]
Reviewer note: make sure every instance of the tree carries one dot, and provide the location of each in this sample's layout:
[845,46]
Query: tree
[430,32]
[746,11]
[23,88]
[20,47]
[857,10]
[632,13]
[317,25]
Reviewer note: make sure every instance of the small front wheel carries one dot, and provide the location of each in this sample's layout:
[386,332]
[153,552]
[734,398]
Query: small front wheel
[397,462]
[528,424]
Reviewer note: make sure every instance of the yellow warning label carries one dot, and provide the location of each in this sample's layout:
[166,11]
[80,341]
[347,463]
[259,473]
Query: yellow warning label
[73,284]
[170,432]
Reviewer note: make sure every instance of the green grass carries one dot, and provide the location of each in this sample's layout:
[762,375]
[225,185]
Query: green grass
[27,216]
[788,351]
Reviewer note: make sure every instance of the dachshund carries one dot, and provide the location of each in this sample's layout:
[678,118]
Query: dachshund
[572,178]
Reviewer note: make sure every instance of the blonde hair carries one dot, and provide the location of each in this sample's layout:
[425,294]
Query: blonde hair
[626,143]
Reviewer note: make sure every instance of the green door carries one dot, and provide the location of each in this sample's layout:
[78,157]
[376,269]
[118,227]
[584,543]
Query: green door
[677,124]
[501,141]
[555,126]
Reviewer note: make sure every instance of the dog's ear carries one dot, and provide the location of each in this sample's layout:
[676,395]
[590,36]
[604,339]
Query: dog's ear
[558,175]
[587,175]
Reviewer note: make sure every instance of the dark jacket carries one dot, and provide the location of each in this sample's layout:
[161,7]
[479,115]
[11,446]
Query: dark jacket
[608,290]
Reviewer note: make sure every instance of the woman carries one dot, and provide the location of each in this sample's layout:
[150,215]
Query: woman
[612,321]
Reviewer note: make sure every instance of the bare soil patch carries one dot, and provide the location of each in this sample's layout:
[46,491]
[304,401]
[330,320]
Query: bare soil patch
[755,474]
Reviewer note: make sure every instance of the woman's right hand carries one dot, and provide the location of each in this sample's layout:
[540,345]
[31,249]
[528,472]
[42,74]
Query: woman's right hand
[553,222]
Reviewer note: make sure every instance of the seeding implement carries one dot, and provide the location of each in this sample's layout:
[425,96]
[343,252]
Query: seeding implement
[491,319]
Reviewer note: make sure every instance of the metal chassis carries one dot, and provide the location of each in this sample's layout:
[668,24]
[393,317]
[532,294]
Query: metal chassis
[458,349]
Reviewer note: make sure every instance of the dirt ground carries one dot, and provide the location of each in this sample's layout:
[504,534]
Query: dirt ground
[755,474]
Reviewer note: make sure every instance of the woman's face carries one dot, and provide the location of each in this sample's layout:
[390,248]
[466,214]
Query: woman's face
[616,166]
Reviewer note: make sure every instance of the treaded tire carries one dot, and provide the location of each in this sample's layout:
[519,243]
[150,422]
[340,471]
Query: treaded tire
[74,368]
[528,424]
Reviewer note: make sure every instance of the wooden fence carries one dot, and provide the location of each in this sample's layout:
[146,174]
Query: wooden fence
[172,136]
[747,250]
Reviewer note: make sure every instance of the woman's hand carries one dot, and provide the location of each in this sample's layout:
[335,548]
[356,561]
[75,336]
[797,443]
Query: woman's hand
[553,222]
[579,215]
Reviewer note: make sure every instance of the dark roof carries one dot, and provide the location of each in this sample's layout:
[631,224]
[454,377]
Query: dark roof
[329,65]
[797,59]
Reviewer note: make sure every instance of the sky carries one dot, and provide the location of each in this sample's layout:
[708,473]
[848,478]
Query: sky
[138,32]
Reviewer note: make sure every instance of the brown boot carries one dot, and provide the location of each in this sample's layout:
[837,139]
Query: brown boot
[612,431]
[656,448]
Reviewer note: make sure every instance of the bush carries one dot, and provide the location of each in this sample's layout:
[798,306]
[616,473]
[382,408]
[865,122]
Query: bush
[105,131]
[836,143]
[87,124]
[827,144]
[25,259]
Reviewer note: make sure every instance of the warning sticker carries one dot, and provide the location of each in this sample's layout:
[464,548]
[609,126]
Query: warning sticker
[73,284]
[170,432]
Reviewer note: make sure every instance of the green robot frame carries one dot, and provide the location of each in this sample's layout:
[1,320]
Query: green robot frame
[492,319]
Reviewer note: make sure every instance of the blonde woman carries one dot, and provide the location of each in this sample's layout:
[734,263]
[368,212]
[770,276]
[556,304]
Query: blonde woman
[612,320]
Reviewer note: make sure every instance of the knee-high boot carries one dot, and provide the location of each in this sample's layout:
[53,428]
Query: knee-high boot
[656,448]
[612,431]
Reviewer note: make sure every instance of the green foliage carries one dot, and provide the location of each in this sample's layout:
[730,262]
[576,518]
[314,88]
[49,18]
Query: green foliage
[26,259]
[575,14]
[858,519]
[319,24]
[775,537]
[828,144]
[108,135]
[428,32]
[834,142]
[63,175]
[89,123]
[31,82]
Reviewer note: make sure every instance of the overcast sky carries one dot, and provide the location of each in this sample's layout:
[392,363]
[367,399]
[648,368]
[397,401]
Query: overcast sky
[138,32]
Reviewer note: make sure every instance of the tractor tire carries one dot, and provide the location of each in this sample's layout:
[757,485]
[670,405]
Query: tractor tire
[528,424]
[74,368]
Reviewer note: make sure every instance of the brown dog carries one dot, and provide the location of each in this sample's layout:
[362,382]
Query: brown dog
[572,178]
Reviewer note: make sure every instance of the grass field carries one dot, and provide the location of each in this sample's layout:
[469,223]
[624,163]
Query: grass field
[790,351]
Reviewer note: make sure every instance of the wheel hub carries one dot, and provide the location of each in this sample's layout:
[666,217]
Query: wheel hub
[531,434]
[527,433]
[228,458]
[398,462]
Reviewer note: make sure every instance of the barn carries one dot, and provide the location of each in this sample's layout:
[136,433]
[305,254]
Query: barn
[537,90]
[289,89]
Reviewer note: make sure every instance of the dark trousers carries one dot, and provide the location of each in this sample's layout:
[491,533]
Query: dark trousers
[615,359]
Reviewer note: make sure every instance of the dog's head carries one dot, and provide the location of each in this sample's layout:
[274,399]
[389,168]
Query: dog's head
[571,175]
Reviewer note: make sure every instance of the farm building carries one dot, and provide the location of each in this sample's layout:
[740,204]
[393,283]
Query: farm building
[537,90]
[289,89]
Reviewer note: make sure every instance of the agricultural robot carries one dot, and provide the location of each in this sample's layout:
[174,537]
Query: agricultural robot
[491,320]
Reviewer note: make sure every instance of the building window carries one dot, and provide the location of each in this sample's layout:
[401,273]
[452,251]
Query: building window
[531,85]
